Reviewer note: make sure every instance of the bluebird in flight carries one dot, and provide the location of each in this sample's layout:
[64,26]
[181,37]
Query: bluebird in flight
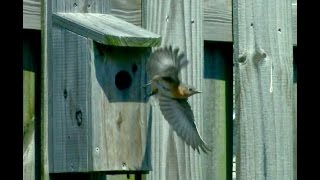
[164,68]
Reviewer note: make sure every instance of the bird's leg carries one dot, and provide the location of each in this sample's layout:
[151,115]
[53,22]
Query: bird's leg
[152,93]
[148,84]
[154,90]
[155,78]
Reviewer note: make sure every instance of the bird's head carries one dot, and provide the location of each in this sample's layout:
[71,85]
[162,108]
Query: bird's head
[188,90]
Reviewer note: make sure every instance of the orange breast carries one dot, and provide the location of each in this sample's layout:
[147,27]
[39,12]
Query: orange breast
[178,93]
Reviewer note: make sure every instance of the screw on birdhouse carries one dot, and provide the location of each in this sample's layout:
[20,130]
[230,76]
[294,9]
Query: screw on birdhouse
[279,30]
[167,18]
[97,149]
[251,25]
[65,93]
[79,117]
[75,5]
[192,21]
[124,165]
[89,5]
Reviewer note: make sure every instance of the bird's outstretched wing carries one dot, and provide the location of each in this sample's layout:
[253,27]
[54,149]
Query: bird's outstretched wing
[180,116]
[167,63]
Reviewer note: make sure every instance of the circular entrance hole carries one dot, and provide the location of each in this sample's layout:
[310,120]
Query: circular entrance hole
[123,80]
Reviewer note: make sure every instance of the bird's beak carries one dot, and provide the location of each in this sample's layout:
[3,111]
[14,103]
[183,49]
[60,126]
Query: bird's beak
[198,92]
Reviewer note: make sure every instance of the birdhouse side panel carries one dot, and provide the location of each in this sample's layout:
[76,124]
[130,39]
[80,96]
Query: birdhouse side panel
[119,109]
[68,115]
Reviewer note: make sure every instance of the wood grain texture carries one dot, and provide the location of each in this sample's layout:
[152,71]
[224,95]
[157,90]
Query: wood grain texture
[28,160]
[295,88]
[119,112]
[107,29]
[180,24]
[31,14]
[69,140]
[294,23]
[295,165]
[46,48]
[81,6]
[217,17]
[264,89]
[127,10]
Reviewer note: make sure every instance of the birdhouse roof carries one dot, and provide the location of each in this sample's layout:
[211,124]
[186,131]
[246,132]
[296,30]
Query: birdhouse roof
[107,29]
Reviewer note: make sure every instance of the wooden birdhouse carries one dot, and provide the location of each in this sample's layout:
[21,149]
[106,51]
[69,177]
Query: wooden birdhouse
[97,110]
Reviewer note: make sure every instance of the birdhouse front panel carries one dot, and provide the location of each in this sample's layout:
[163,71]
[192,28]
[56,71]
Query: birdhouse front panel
[118,107]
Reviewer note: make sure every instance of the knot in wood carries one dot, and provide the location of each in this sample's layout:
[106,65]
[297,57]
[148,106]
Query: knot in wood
[79,117]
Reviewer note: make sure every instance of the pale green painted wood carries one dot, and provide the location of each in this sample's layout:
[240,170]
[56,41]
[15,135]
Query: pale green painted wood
[28,109]
[264,89]
[107,29]
[214,112]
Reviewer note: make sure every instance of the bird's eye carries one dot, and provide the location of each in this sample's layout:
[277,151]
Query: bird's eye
[190,89]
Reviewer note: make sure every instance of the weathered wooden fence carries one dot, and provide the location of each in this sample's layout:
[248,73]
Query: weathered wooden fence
[262,34]
[180,24]
[264,89]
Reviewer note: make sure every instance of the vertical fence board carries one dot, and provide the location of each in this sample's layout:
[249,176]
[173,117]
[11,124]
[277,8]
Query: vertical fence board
[128,10]
[46,26]
[264,89]
[31,14]
[295,83]
[180,24]
[217,16]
